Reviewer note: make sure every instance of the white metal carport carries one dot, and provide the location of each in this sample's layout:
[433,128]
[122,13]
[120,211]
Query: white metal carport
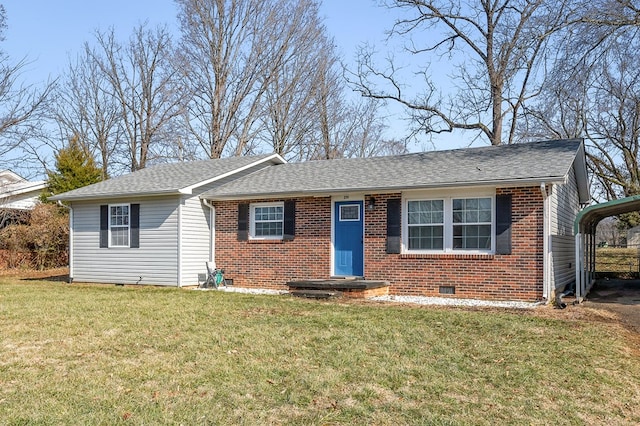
[585,234]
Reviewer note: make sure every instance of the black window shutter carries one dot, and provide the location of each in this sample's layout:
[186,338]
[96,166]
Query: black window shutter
[289,220]
[243,222]
[135,226]
[393,225]
[104,226]
[503,224]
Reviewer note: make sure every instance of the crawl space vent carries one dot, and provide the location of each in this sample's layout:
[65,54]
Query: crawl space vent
[447,289]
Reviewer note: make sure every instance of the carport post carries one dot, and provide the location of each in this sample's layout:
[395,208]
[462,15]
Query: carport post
[579,266]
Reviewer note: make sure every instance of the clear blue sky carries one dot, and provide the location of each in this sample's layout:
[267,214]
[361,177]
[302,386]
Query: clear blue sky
[47,33]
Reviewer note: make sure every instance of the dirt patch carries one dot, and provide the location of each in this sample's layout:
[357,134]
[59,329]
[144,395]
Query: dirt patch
[619,297]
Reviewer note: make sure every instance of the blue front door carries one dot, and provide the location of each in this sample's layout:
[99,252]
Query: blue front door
[348,239]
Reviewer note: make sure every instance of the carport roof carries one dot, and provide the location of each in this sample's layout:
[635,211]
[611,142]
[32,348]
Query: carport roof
[589,217]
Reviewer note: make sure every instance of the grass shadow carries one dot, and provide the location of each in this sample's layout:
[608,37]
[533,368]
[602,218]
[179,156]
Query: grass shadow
[50,278]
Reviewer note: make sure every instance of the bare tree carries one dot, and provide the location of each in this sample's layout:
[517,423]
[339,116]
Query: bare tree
[334,129]
[289,115]
[21,106]
[343,127]
[614,128]
[249,66]
[593,91]
[494,49]
[367,138]
[86,109]
[142,79]
[223,59]
[608,232]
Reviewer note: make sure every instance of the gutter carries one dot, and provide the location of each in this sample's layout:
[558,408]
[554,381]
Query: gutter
[212,231]
[70,260]
[115,195]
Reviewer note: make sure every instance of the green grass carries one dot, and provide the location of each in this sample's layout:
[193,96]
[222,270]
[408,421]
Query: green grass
[72,354]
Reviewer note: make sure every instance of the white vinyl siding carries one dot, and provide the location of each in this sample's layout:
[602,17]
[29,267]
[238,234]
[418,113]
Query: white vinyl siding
[564,205]
[196,239]
[174,244]
[196,231]
[155,262]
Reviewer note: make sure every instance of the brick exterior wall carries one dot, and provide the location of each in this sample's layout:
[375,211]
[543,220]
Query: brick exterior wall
[270,264]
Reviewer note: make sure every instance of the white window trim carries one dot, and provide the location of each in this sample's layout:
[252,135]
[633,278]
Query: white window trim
[252,221]
[128,226]
[448,222]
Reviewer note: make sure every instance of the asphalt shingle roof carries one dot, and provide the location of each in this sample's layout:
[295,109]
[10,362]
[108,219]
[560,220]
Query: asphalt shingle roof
[528,162]
[161,179]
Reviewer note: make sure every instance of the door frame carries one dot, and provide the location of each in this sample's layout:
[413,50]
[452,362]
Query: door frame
[338,199]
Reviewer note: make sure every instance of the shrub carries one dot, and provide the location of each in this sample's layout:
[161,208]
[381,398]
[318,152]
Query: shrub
[41,243]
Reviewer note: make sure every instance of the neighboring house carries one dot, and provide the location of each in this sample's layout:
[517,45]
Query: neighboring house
[492,223]
[633,237]
[17,193]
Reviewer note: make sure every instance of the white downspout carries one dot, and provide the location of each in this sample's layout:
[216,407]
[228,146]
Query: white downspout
[180,243]
[212,232]
[70,238]
[579,267]
[546,281]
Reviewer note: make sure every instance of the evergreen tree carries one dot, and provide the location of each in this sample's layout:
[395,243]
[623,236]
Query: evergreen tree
[75,168]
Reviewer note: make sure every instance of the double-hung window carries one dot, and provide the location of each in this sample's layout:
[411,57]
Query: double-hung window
[267,221]
[472,223]
[449,224]
[119,225]
[425,223]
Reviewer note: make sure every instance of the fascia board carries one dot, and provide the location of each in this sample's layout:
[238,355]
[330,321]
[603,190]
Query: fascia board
[275,158]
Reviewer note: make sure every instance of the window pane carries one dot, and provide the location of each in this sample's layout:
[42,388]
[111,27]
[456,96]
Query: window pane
[472,210]
[268,229]
[425,212]
[471,216]
[119,236]
[268,213]
[472,237]
[485,203]
[350,212]
[426,237]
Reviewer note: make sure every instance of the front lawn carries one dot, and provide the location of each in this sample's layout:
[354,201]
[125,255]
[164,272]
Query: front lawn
[74,354]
